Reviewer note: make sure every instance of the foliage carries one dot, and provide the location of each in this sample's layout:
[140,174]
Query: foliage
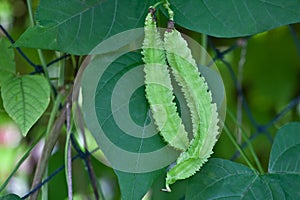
[260,73]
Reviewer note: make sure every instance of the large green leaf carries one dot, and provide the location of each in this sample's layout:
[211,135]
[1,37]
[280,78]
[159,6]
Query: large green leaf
[220,179]
[7,63]
[117,113]
[233,18]
[76,27]
[25,99]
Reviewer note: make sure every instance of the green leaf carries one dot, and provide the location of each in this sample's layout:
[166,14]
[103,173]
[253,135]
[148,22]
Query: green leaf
[126,134]
[178,189]
[136,185]
[10,197]
[220,179]
[78,26]
[234,18]
[25,99]
[7,63]
[285,156]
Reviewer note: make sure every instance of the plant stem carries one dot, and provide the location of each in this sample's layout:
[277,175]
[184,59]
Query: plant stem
[40,53]
[240,97]
[250,146]
[170,11]
[68,155]
[49,144]
[51,139]
[61,79]
[157,4]
[45,186]
[96,187]
[256,160]
[203,53]
[238,148]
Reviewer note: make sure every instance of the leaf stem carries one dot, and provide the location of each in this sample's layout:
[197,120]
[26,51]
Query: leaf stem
[203,54]
[170,11]
[61,79]
[250,146]
[157,4]
[238,148]
[39,51]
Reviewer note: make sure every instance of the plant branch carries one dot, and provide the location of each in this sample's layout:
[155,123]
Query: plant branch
[48,147]
[68,153]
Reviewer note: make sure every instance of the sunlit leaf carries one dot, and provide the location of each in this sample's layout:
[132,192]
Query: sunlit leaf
[25,99]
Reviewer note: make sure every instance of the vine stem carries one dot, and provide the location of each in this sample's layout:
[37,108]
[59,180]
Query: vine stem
[98,193]
[203,54]
[68,154]
[39,51]
[250,146]
[52,134]
[238,148]
[240,99]
[170,11]
[157,4]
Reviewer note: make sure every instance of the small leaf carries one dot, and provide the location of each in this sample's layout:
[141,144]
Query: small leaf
[285,156]
[25,99]
[10,197]
[7,63]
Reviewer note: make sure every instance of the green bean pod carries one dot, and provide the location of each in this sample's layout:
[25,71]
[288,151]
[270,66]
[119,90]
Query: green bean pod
[159,90]
[199,100]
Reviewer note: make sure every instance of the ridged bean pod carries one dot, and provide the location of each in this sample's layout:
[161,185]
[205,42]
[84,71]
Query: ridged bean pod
[204,114]
[159,90]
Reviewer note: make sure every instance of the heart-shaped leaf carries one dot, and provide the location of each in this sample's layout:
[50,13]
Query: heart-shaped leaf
[25,99]
[220,179]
